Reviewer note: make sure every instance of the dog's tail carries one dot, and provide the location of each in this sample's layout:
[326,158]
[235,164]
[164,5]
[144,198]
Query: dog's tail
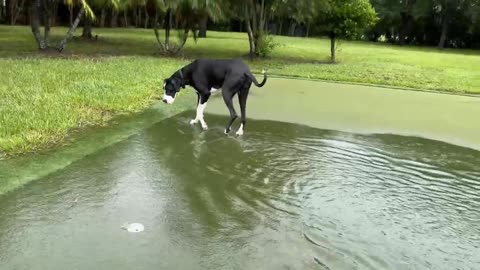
[255,79]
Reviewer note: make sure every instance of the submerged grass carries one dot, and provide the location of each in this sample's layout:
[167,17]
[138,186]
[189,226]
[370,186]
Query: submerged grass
[44,97]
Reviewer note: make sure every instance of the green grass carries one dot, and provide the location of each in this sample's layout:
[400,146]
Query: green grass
[44,97]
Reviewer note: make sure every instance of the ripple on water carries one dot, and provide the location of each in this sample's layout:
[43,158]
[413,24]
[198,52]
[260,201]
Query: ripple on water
[400,208]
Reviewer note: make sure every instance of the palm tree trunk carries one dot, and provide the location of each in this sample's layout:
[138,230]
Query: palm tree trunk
[35,24]
[168,26]
[184,40]
[72,29]
[53,18]
[9,6]
[147,18]
[102,18]
[139,12]
[157,34]
[70,10]
[46,27]
[17,13]
[291,30]
[87,28]
[46,22]
[114,19]
[135,17]
[202,33]
[125,18]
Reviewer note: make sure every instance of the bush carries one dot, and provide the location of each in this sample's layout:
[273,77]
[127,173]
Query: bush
[266,45]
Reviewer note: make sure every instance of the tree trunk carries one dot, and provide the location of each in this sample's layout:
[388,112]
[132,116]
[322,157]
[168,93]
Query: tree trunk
[333,47]
[102,17]
[406,20]
[125,18]
[135,17]
[9,4]
[202,33]
[35,24]
[70,9]
[53,17]
[17,13]
[403,29]
[308,30]
[72,29]
[114,19]
[147,18]
[87,28]
[262,17]
[139,11]
[443,35]
[280,27]
[250,34]
[184,40]
[46,23]
[291,30]
[155,30]
[168,26]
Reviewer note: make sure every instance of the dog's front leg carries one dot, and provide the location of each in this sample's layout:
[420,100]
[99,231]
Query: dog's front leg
[201,105]
[195,120]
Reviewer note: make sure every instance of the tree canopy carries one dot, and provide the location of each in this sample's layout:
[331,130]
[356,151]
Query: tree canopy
[442,23]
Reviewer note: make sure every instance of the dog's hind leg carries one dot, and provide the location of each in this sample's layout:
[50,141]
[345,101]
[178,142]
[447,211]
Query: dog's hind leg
[227,97]
[242,99]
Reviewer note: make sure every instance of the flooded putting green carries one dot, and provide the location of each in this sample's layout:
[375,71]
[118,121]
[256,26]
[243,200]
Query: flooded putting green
[309,186]
[284,196]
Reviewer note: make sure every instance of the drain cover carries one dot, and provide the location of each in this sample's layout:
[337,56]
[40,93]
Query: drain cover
[134,227]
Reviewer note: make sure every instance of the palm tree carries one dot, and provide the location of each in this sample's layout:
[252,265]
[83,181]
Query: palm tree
[209,9]
[35,10]
[187,14]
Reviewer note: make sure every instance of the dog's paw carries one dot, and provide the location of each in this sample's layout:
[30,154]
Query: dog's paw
[193,122]
[239,132]
[226,131]
[205,127]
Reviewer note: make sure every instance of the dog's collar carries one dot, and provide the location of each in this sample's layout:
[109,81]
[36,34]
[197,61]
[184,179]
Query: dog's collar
[181,77]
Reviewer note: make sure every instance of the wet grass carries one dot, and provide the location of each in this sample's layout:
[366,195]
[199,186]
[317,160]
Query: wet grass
[44,97]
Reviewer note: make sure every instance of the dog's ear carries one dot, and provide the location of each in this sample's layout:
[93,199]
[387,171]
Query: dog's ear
[178,83]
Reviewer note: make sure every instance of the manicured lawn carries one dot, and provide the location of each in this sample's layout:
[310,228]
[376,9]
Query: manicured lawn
[44,97]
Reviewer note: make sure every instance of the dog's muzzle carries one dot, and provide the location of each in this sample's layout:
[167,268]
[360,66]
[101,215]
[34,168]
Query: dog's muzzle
[168,99]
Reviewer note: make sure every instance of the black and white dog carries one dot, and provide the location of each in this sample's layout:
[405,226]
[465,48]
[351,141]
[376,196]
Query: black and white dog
[206,76]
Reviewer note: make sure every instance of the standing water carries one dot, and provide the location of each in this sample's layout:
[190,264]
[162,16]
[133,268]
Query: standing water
[284,196]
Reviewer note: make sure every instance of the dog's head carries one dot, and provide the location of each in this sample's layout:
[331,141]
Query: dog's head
[171,87]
